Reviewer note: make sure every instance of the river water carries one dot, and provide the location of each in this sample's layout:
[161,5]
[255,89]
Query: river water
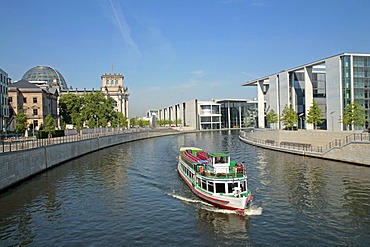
[131,195]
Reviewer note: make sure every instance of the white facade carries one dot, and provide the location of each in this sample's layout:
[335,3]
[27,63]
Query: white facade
[210,115]
[332,82]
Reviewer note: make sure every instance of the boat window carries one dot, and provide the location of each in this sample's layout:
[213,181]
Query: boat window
[204,184]
[220,187]
[230,187]
[244,185]
[198,181]
[210,186]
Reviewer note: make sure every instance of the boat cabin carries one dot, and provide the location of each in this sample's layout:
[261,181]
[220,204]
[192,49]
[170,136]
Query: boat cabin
[220,162]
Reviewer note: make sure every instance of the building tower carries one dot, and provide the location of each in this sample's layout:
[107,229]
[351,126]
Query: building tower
[112,85]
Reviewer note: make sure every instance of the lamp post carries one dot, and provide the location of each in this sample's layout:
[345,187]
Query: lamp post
[33,124]
[332,121]
[300,118]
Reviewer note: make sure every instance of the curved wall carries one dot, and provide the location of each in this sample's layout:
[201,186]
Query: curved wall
[20,165]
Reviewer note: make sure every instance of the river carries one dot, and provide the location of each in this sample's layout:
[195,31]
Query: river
[131,195]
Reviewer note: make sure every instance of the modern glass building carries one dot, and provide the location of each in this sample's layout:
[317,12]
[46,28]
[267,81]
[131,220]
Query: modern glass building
[238,113]
[212,115]
[333,82]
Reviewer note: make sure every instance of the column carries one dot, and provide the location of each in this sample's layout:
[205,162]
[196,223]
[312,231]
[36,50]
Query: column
[308,93]
[261,105]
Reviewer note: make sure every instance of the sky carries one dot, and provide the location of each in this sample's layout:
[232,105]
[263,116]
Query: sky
[171,51]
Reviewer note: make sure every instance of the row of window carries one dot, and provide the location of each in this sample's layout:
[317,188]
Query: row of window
[112,82]
[361,72]
[361,61]
[35,112]
[34,100]
[3,89]
[3,78]
[4,112]
[215,187]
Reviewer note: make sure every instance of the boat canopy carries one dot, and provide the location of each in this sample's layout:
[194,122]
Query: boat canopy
[218,155]
[183,149]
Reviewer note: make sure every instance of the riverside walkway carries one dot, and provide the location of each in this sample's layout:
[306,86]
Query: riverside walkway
[18,144]
[342,146]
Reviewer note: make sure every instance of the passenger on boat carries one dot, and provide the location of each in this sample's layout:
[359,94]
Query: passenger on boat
[201,170]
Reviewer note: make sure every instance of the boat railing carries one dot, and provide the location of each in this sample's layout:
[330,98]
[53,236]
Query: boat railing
[203,168]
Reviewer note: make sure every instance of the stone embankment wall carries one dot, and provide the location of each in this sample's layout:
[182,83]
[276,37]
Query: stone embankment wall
[313,137]
[340,146]
[19,165]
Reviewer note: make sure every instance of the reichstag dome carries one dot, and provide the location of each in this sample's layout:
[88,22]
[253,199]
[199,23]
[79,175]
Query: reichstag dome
[45,74]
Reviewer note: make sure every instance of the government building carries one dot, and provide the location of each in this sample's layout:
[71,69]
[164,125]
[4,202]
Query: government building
[209,115]
[333,82]
[38,93]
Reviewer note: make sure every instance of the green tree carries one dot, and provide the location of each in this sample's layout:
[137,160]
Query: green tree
[354,114]
[289,117]
[49,125]
[93,109]
[97,110]
[314,115]
[20,122]
[142,123]
[133,121]
[68,105]
[178,121]
[122,119]
[272,117]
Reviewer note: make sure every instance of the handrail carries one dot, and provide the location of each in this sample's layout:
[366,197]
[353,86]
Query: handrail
[337,143]
[12,145]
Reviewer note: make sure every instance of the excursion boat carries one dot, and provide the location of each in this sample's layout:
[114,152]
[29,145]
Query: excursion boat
[215,178]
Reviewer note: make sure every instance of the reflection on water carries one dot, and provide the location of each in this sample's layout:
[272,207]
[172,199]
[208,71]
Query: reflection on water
[131,194]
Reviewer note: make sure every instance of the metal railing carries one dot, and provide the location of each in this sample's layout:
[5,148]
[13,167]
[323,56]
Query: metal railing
[18,144]
[304,147]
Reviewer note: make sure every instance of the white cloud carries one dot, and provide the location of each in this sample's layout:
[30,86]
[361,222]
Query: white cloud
[198,72]
[124,28]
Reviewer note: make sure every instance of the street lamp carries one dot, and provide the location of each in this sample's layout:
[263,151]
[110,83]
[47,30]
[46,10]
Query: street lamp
[300,118]
[332,120]
[33,124]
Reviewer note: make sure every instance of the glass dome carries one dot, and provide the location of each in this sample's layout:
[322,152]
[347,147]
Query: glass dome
[45,74]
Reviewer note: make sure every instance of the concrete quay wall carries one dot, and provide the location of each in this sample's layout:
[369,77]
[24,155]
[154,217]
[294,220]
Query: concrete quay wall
[353,151]
[20,165]
[358,153]
[313,137]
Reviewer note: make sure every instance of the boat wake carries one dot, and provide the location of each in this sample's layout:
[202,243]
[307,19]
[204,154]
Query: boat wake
[182,198]
[253,210]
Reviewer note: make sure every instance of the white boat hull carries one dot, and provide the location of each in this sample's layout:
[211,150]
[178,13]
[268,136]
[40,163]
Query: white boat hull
[221,201]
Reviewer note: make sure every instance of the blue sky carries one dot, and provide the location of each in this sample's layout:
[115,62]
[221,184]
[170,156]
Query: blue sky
[172,51]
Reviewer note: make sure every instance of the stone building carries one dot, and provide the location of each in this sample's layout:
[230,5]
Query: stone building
[112,85]
[36,102]
[39,91]
[4,106]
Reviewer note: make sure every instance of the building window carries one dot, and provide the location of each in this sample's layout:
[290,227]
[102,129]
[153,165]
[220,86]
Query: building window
[35,112]
[34,99]
[24,100]
[10,99]
[36,123]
